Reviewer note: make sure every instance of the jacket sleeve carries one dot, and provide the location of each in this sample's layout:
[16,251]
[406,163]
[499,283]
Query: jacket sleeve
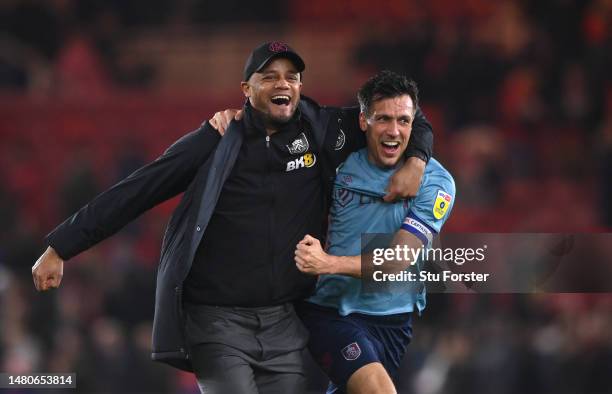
[421,138]
[355,137]
[164,178]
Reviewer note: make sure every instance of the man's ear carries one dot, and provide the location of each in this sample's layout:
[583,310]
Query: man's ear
[246,89]
[363,123]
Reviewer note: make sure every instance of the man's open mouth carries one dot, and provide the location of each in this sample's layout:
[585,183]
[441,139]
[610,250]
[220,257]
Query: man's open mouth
[281,99]
[390,147]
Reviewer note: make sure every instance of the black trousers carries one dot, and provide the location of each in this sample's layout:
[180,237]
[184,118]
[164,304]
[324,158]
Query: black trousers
[246,350]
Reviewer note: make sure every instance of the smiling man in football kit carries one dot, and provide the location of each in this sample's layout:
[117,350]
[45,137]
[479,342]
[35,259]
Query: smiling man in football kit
[359,337]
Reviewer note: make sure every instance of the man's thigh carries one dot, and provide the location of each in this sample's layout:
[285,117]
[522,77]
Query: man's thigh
[281,374]
[339,346]
[371,378]
[222,369]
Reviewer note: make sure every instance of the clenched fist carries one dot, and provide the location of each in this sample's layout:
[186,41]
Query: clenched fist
[310,258]
[48,270]
[406,181]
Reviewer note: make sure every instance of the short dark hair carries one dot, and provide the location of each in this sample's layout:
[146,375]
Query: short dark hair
[386,84]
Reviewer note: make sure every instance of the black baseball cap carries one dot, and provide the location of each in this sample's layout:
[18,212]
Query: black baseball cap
[268,51]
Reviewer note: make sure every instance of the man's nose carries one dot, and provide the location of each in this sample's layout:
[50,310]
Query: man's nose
[282,83]
[393,130]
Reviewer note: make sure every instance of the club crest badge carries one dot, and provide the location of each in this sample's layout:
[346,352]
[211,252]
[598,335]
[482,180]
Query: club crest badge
[340,140]
[443,201]
[351,352]
[343,196]
[299,146]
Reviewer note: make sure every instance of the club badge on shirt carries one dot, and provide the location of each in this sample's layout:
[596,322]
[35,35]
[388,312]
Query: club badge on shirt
[443,201]
[299,146]
[343,196]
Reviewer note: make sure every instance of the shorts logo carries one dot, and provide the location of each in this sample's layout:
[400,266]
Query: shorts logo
[307,160]
[340,141]
[351,352]
[299,146]
[343,196]
[443,201]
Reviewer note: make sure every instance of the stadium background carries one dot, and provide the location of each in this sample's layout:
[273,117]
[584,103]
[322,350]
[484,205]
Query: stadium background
[521,105]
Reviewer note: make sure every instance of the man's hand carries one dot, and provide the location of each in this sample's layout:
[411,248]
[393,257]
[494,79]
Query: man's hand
[222,119]
[406,181]
[48,270]
[311,259]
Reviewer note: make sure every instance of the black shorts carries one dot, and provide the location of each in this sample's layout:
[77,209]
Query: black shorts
[343,344]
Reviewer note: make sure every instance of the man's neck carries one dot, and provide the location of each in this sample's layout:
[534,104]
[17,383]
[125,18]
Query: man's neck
[270,128]
[397,165]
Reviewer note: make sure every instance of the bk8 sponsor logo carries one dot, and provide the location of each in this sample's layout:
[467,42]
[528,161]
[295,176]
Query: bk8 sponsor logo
[305,161]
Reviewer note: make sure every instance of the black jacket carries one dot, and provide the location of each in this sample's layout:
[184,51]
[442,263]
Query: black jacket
[198,165]
[271,199]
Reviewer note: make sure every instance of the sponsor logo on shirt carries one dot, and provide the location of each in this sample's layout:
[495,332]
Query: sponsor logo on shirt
[443,201]
[307,160]
[351,352]
[299,146]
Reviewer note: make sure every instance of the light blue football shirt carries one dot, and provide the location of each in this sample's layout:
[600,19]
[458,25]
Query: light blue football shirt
[357,207]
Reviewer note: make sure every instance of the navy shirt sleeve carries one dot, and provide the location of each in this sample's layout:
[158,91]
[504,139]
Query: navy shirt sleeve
[164,178]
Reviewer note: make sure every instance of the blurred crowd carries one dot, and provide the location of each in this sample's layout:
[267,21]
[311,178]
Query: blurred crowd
[521,104]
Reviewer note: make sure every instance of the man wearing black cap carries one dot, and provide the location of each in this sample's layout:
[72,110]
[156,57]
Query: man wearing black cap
[226,279]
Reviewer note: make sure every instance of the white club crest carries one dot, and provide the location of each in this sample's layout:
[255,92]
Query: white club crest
[299,146]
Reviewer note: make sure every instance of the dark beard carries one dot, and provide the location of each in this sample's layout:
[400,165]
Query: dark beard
[275,124]
[270,123]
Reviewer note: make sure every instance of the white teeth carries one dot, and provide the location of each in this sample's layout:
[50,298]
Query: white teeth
[280,97]
[390,144]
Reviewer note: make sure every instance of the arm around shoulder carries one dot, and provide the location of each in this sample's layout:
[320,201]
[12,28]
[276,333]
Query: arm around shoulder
[421,138]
